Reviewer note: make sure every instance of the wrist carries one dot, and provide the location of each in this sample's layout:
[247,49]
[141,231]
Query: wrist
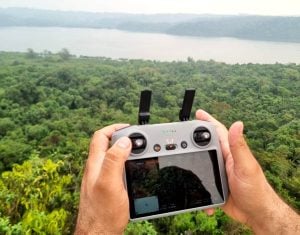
[90,227]
[276,217]
[80,230]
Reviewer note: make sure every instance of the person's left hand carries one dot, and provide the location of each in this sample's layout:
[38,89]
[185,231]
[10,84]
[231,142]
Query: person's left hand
[104,206]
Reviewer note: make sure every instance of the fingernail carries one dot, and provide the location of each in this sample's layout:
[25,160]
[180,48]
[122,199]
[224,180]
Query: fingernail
[123,143]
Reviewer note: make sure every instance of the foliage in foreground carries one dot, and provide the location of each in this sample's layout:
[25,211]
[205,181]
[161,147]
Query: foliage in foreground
[35,198]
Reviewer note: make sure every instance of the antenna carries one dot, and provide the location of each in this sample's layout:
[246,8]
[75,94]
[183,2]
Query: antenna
[185,112]
[144,112]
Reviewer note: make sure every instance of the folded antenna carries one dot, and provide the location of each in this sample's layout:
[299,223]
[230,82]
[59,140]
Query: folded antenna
[185,112]
[144,112]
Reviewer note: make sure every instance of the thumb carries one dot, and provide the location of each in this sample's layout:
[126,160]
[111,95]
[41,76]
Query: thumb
[245,165]
[113,163]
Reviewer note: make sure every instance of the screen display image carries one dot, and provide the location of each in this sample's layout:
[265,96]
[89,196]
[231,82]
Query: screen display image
[173,183]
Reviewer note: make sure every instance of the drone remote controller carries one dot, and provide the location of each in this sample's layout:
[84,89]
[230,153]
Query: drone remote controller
[173,167]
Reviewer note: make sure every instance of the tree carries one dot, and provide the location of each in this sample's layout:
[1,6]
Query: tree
[31,54]
[64,54]
[6,124]
[38,204]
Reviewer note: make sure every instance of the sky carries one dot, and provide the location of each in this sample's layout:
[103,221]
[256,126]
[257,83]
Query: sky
[257,7]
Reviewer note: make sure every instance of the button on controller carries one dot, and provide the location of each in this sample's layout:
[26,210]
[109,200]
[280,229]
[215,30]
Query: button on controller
[156,147]
[202,136]
[139,143]
[184,144]
[171,146]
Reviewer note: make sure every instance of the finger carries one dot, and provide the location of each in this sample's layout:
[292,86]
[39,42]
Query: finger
[220,128]
[101,138]
[111,174]
[99,145]
[245,165]
[209,211]
[204,116]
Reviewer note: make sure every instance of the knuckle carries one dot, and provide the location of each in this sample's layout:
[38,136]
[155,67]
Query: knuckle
[100,185]
[104,185]
[117,152]
[223,127]
[112,155]
[98,133]
[241,144]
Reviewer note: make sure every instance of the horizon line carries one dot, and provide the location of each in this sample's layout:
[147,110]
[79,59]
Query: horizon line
[143,13]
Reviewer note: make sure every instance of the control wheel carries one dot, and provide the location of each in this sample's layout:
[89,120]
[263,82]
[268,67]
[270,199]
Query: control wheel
[139,143]
[202,136]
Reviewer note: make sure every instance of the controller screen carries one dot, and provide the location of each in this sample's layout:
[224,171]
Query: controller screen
[173,183]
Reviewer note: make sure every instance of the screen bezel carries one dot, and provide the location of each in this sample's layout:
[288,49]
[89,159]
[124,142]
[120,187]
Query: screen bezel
[213,154]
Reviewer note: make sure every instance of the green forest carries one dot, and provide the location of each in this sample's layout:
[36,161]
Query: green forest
[51,104]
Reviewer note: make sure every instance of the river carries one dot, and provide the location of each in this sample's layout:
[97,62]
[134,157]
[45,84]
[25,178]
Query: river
[134,45]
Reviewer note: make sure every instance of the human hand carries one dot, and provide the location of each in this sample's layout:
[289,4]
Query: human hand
[251,199]
[104,206]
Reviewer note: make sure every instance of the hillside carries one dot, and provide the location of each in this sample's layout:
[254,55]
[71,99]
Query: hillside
[50,105]
[269,28]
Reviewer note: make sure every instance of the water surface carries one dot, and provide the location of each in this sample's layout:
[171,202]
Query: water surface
[121,44]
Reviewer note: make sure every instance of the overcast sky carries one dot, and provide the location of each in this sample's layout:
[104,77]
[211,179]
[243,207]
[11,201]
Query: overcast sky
[259,7]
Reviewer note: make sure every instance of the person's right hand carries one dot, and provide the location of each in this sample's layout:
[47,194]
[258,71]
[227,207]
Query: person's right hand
[251,199]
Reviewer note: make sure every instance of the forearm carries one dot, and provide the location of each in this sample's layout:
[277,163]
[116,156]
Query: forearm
[279,218]
[92,225]
[80,230]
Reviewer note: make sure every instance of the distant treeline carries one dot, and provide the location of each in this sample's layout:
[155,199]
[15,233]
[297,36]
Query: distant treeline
[270,28]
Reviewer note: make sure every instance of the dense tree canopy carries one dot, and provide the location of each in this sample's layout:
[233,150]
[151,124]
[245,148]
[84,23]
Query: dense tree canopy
[50,104]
